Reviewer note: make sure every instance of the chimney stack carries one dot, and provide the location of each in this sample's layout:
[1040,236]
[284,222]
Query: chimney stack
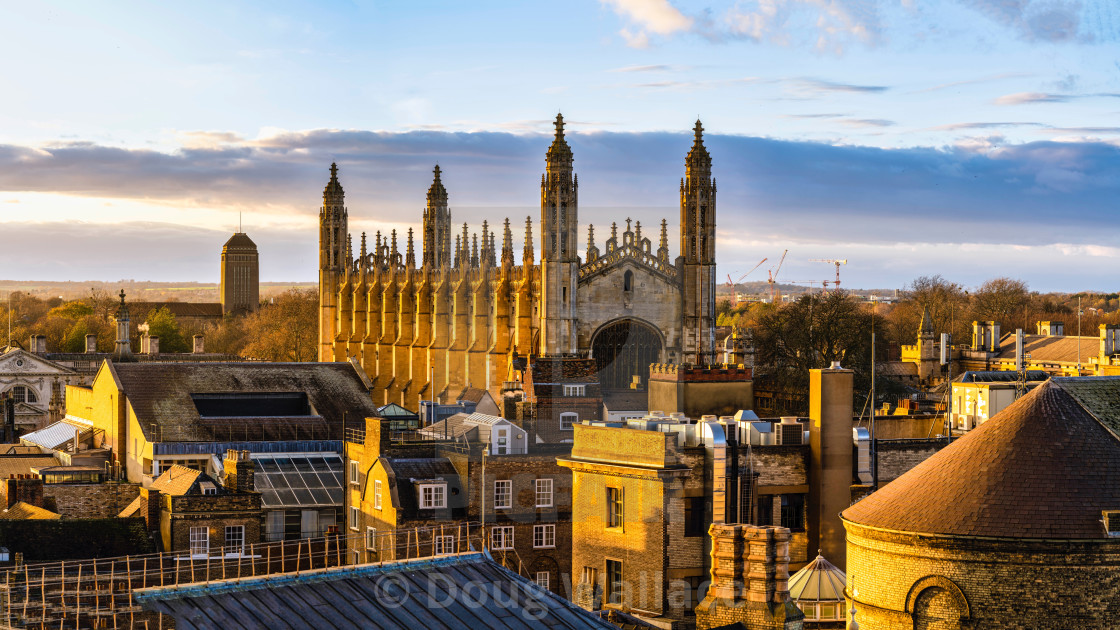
[198,345]
[91,343]
[26,488]
[830,460]
[38,344]
[750,580]
[239,469]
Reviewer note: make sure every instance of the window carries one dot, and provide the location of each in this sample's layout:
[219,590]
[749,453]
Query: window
[200,541]
[544,536]
[355,557]
[614,581]
[353,472]
[371,539]
[501,537]
[544,492]
[433,495]
[274,525]
[590,576]
[765,513]
[628,281]
[355,517]
[22,394]
[309,524]
[377,494]
[793,511]
[694,516]
[614,507]
[445,545]
[235,538]
[542,579]
[575,390]
[567,420]
[503,494]
[208,488]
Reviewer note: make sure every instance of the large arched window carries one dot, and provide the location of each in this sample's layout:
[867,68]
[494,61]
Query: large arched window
[23,394]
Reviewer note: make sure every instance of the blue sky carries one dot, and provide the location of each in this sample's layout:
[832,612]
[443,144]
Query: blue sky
[970,138]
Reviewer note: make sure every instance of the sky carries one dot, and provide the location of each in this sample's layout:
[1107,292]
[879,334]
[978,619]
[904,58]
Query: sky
[968,138]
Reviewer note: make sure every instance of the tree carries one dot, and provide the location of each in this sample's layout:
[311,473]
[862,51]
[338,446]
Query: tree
[946,301]
[1004,300]
[287,330]
[162,324]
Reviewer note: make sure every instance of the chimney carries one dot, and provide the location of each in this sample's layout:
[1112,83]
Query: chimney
[26,488]
[1110,341]
[239,469]
[977,336]
[830,460]
[994,326]
[198,345]
[91,343]
[153,345]
[38,344]
[750,580]
[152,515]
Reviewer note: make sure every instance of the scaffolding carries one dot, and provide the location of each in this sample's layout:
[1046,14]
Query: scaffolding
[98,593]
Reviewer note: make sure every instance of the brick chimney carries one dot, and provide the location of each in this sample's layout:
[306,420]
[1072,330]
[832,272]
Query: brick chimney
[91,343]
[750,580]
[239,469]
[198,345]
[26,488]
[152,515]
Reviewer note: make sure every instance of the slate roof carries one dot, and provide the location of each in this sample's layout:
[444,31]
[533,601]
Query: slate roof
[563,370]
[160,393]
[1044,467]
[26,511]
[995,376]
[627,400]
[434,593]
[1050,348]
[240,239]
[402,471]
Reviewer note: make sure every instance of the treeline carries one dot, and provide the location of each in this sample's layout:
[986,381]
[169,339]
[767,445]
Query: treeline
[953,308]
[284,329]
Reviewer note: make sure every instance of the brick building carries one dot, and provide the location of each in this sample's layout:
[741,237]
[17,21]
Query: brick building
[565,391]
[1013,525]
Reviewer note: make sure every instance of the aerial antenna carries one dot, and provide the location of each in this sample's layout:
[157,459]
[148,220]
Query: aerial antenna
[239,222]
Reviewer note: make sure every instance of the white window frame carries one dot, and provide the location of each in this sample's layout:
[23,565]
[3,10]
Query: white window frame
[542,579]
[200,541]
[355,517]
[354,472]
[377,494]
[444,545]
[544,536]
[371,538]
[575,390]
[237,534]
[567,419]
[433,496]
[543,489]
[503,494]
[501,537]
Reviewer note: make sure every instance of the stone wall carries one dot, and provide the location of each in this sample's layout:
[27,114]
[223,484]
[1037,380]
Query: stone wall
[180,513]
[90,500]
[910,581]
[896,457]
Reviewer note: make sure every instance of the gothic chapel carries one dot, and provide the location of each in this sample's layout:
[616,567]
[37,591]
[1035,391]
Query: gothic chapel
[460,319]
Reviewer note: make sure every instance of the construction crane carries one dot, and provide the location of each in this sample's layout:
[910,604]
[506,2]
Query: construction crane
[774,275]
[744,276]
[832,261]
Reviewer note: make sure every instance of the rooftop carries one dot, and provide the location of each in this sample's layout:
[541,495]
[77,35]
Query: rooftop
[1044,467]
[818,581]
[1051,348]
[460,591]
[26,511]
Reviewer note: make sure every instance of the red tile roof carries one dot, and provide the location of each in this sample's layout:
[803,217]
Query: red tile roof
[1045,467]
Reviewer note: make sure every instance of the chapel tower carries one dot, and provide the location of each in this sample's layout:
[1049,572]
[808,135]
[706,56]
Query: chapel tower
[333,261]
[698,251]
[437,226]
[559,262]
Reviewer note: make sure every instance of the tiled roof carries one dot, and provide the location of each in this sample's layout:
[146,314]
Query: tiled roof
[472,394]
[22,449]
[140,310]
[26,511]
[996,376]
[1044,467]
[461,591]
[138,507]
[563,370]
[160,393]
[22,464]
[1050,348]
[404,470]
[627,400]
[176,480]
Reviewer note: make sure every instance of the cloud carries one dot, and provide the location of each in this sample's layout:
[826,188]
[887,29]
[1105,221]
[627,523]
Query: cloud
[984,192]
[649,16]
[828,25]
[1026,98]
[982,80]
[814,115]
[985,125]
[815,87]
[650,68]
[692,85]
[1036,20]
[867,122]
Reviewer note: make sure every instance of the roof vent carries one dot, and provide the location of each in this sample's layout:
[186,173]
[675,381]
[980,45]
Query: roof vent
[835,366]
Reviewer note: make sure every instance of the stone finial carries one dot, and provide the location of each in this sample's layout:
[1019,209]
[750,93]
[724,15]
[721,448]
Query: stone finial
[507,244]
[363,250]
[559,124]
[458,250]
[394,247]
[474,251]
[527,250]
[663,246]
[410,255]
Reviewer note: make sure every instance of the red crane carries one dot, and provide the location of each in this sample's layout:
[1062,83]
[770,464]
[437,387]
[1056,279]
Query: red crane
[833,261]
[743,277]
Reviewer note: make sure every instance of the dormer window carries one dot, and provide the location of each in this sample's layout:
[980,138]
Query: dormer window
[1111,522]
[433,495]
[575,390]
[208,488]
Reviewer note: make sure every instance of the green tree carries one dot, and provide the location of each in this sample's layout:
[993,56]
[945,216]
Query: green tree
[162,324]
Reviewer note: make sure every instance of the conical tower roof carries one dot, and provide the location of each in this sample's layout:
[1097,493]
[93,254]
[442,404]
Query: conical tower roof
[1044,467]
[818,581]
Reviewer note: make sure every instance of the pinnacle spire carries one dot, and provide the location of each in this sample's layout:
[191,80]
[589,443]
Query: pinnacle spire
[474,251]
[332,194]
[363,254]
[410,254]
[507,244]
[527,249]
[590,236]
[559,126]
